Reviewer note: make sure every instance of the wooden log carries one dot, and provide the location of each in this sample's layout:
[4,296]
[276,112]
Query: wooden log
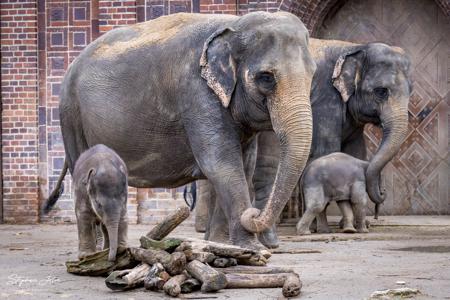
[255,270]
[190,285]
[156,278]
[219,249]
[167,244]
[242,281]
[204,257]
[97,264]
[127,279]
[211,279]
[224,262]
[173,263]
[163,228]
[292,286]
[173,286]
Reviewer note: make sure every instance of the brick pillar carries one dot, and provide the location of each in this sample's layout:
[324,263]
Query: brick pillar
[19,116]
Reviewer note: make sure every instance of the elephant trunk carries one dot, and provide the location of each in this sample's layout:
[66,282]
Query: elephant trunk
[291,117]
[394,121]
[113,231]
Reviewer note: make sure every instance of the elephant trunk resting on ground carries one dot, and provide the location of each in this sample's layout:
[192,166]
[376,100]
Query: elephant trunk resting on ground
[180,97]
[353,85]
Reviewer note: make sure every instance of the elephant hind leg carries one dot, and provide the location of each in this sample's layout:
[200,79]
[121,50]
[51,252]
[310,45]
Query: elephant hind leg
[322,222]
[359,201]
[315,203]
[347,220]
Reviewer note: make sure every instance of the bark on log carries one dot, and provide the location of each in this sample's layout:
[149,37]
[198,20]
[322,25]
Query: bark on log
[190,285]
[156,278]
[97,264]
[255,270]
[219,249]
[163,228]
[255,260]
[204,257]
[173,286]
[168,244]
[223,262]
[127,279]
[237,281]
[173,263]
[211,279]
[292,286]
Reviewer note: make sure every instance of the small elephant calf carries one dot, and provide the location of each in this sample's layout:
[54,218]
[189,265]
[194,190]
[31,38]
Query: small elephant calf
[335,177]
[100,183]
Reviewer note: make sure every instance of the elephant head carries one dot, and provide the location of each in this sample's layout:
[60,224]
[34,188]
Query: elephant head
[107,191]
[260,68]
[374,82]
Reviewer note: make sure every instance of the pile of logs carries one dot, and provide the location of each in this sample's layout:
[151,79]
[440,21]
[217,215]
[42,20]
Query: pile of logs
[185,265]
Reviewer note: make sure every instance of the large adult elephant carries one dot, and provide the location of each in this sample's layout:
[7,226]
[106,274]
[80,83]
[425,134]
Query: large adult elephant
[353,85]
[180,97]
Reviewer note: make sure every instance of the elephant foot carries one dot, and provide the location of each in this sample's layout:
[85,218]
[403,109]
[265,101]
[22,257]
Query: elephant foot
[83,254]
[341,223]
[304,232]
[248,240]
[269,238]
[362,230]
[349,229]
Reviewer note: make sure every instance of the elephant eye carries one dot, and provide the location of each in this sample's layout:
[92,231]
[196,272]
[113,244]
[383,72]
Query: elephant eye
[265,80]
[381,93]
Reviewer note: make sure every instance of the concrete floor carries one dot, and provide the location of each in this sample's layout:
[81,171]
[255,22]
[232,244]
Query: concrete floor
[346,267]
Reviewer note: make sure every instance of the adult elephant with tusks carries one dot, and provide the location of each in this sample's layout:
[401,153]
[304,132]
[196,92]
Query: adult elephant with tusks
[179,98]
[354,84]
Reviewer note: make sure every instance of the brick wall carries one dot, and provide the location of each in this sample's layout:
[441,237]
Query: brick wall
[39,39]
[19,110]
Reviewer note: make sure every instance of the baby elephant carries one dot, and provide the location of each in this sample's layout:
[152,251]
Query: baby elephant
[100,184]
[335,177]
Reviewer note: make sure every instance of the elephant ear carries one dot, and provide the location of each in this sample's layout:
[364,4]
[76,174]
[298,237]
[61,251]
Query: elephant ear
[347,72]
[217,65]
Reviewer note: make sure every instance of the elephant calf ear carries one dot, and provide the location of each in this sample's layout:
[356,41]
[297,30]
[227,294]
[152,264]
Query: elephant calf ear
[346,73]
[217,65]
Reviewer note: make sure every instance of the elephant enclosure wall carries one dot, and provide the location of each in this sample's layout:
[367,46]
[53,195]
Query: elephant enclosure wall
[39,39]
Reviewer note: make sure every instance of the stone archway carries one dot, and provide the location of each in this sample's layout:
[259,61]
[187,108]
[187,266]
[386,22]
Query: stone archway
[313,12]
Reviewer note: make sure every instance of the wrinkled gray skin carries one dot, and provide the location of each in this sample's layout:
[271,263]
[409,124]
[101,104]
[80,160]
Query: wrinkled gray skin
[180,97]
[335,177]
[353,85]
[100,189]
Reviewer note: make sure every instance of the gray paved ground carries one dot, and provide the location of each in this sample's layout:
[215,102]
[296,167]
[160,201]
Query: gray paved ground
[347,267]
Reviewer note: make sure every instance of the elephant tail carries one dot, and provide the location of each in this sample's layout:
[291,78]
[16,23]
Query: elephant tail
[57,192]
[190,195]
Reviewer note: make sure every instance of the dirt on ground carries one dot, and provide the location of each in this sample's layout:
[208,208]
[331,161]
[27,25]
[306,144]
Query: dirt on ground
[331,266]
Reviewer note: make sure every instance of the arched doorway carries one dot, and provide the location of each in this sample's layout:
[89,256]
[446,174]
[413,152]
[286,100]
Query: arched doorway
[417,179]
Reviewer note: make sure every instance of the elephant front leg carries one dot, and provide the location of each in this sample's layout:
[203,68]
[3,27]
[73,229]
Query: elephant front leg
[347,220]
[322,222]
[217,150]
[315,204]
[218,225]
[122,237]
[86,235]
[105,237]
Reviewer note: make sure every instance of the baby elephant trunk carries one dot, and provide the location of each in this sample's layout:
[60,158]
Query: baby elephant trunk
[113,229]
